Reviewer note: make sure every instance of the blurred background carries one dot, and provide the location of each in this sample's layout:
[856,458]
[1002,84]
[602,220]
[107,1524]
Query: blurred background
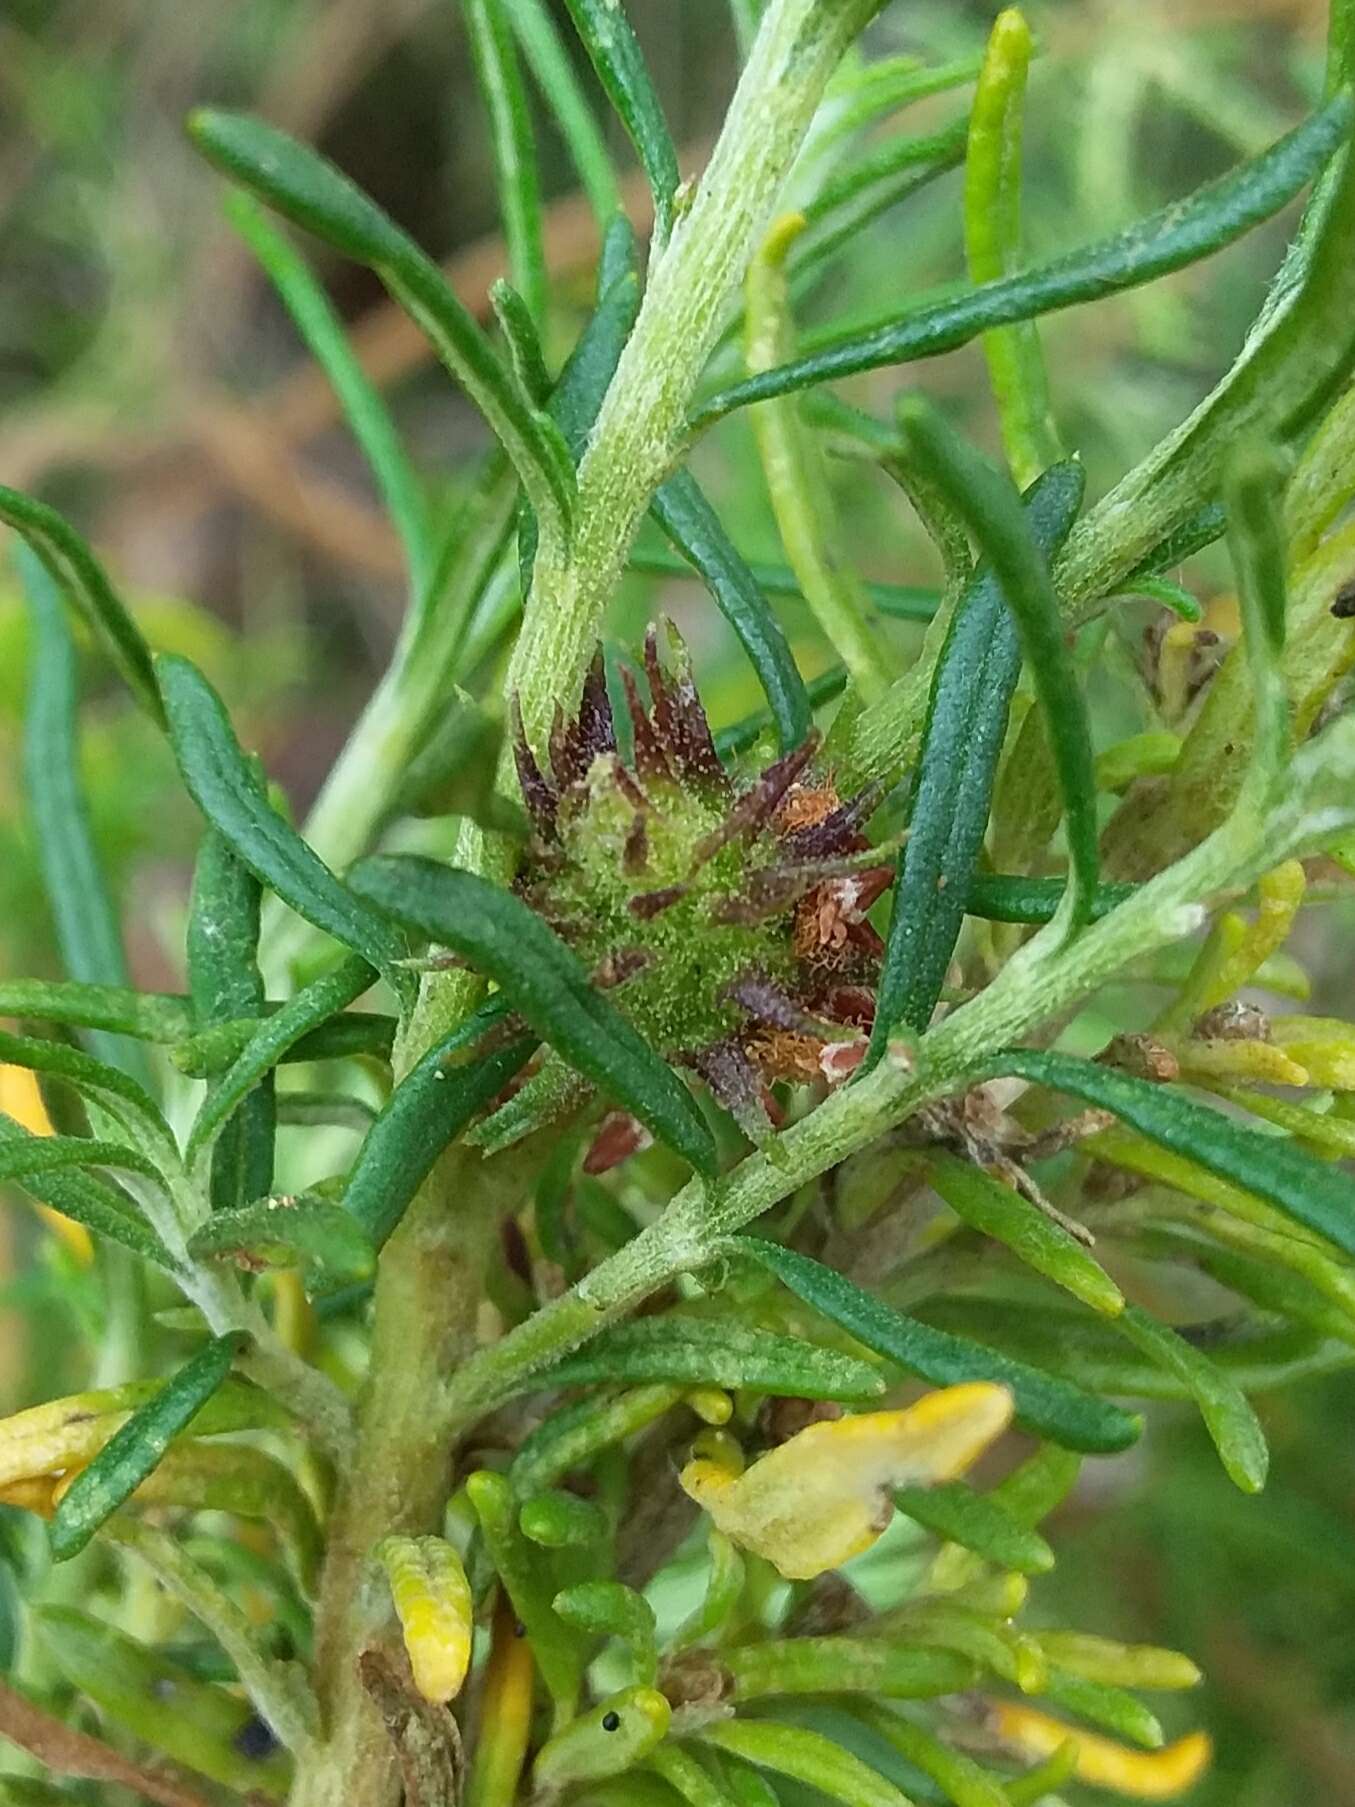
[152,388]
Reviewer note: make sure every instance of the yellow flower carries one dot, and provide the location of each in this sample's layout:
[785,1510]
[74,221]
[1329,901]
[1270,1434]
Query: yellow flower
[1101,1763]
[824,1496]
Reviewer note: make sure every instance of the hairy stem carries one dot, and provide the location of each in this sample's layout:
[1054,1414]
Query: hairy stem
[429,1291]
[641,427]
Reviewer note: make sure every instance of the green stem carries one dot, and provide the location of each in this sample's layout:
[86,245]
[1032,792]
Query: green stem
[429,1291]
[641,426]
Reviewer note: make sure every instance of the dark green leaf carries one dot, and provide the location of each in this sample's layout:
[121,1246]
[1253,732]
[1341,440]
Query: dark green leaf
[224,787]
[349,1035]
[225,983]
[715,1352]
[83,913]
[952,791]
[957,1513]
[152,1016]
[516,180]
[1231,1422]
[577,397]
[119,1095]
[101,1208]
[305,187]
[547,985]
[616,56]
[304,1231]
[694,528]
[75,571]
[999,1211]
[133,1452]
[1000,897]
[1308,1190]
[1178,235]
[50,1154]
[524,345]
[1048,1406]
[428,1110]
[553,71]
[986,500]
[315,1004]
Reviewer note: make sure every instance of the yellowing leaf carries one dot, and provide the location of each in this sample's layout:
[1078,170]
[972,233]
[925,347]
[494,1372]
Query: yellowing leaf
[823,1496]
[1142,1775]
[1324,1045]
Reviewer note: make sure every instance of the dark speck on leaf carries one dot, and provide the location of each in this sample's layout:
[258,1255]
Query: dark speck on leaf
[611,1721]
[255,1739]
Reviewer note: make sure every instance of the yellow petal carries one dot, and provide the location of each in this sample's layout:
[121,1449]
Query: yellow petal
[1143,1775]
[823,1496]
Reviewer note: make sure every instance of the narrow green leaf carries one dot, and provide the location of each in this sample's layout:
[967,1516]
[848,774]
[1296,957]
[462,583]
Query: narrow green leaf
[523,341]
[615,54]
[1115,1709]
[554,74]
[308,189]
[1091,1352]
[77,574]
[306,1232]
[693,526]
[1178,235]
[1257,545]
[83,912]
[547,985]
[91,1202]
[992,222]
[424,1114]
[225,983]
[610,1609]
[118,1095]
[953,785]
[348,1035]
[50,1154]
[960,1515]
[559,1520]
[985,1204]
[1045,1405]
[804,1756]
[224,787]
[1228,1417]
[959,1777]
[364,407]
[314,1004]
[715,1352]
[1306,1189]
[986,500]
[881,179]
[152,1016]
[496,66]
[342,1109]
[577,397]
[1004,897]
[525,1573]
[134,1451]
[844,1666]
